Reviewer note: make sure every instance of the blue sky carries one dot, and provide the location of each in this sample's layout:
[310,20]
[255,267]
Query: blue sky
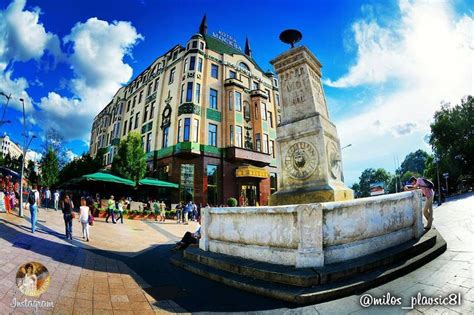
[387,65]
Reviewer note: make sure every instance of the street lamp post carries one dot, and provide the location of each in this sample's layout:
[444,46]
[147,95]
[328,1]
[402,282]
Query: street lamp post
[26,143]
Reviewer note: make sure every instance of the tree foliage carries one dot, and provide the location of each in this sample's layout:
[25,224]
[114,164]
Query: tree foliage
[31,173]
[414,162]
[80,166]
[130,160]
[49,168]
[53,140]
[369,176]
[13,163]
[452,139]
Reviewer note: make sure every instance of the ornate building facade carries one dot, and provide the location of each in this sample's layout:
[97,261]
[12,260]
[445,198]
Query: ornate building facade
[207,114]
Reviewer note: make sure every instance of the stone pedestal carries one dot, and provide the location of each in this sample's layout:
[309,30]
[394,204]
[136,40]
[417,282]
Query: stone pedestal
[310,152]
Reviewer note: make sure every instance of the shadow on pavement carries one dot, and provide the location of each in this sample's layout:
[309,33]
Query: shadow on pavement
[195,293]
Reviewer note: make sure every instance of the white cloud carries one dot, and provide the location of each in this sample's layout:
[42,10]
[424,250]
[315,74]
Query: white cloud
[99,71]
[71,155]
[22,38]
[425,57]
[32,155]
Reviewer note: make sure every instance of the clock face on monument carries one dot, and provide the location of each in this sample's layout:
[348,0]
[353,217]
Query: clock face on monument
[301,160]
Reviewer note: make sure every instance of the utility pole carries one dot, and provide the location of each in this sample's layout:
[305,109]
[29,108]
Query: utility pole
[8,97]
[439,184]
[26,143]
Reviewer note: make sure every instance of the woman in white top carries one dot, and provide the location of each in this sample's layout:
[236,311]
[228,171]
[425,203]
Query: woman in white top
[84,218]
[29,282]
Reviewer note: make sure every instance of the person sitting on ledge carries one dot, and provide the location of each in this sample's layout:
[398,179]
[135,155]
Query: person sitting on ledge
[428,192]
[188,239]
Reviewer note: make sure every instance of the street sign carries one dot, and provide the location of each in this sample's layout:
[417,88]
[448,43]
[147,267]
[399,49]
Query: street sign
[445,175]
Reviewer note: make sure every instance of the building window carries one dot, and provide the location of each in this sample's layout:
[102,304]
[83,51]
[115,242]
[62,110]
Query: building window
[185,64]
[189,92]
[134,101]
[179,129]
[238,101]
[231,100]
[255,85]
[128,106]
[258,142]
[165,137]
[264,111]
[200,64]
[163,172]
[273,183]
[212,137]
[270,119]
[198,93]
[196,130]
[187,182]
[231,135]
[244,66]
[194,44]
[171,78]
[137,116]
[156,85]
[175,55]
[152,111]
[213,99]
[201,45]
[150,87]
[148,142]
[275,82]
[279,119]
[145,114]
[271,148]
[247,111]
[130,124]
[140,97]
[256,110]
[277,98]
[187,126]
[212,184]
[232,74]
[265,143]
[238,133]
[125,128]
[215,71]
[192,63]
[182,94]
[269,96]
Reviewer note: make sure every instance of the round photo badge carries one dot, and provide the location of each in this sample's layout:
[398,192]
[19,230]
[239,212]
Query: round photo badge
[32,279]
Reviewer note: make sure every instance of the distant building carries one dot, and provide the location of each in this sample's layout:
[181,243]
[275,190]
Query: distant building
[207,114]
[8,146]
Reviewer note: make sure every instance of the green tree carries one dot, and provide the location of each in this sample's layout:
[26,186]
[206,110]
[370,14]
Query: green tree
[356,188]
[452,140]
[371,175]
[30,173]
[55,141]
[130,160]
[415,162]
[49,168]
[80,166]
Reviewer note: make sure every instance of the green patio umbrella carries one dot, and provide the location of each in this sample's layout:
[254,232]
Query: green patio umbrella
[156,182]
[106,177]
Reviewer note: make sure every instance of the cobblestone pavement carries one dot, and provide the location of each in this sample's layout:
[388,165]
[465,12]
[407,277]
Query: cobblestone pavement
[125,270]
[88,277]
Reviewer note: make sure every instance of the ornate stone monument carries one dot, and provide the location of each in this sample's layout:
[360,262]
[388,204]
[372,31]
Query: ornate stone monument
[310,152]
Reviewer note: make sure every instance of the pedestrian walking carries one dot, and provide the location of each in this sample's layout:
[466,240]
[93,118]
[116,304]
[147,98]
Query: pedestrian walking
[47,198]
[2,201]
[84,213]
[188,208]
[162,211]
[68,215]
[195,211]
[427,190]
[179,212]
[33,200]
[120,205]
[110,210]
[56,199]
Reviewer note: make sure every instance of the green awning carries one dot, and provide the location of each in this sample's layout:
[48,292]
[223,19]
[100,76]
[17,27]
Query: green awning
[106,177]
[156,182]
